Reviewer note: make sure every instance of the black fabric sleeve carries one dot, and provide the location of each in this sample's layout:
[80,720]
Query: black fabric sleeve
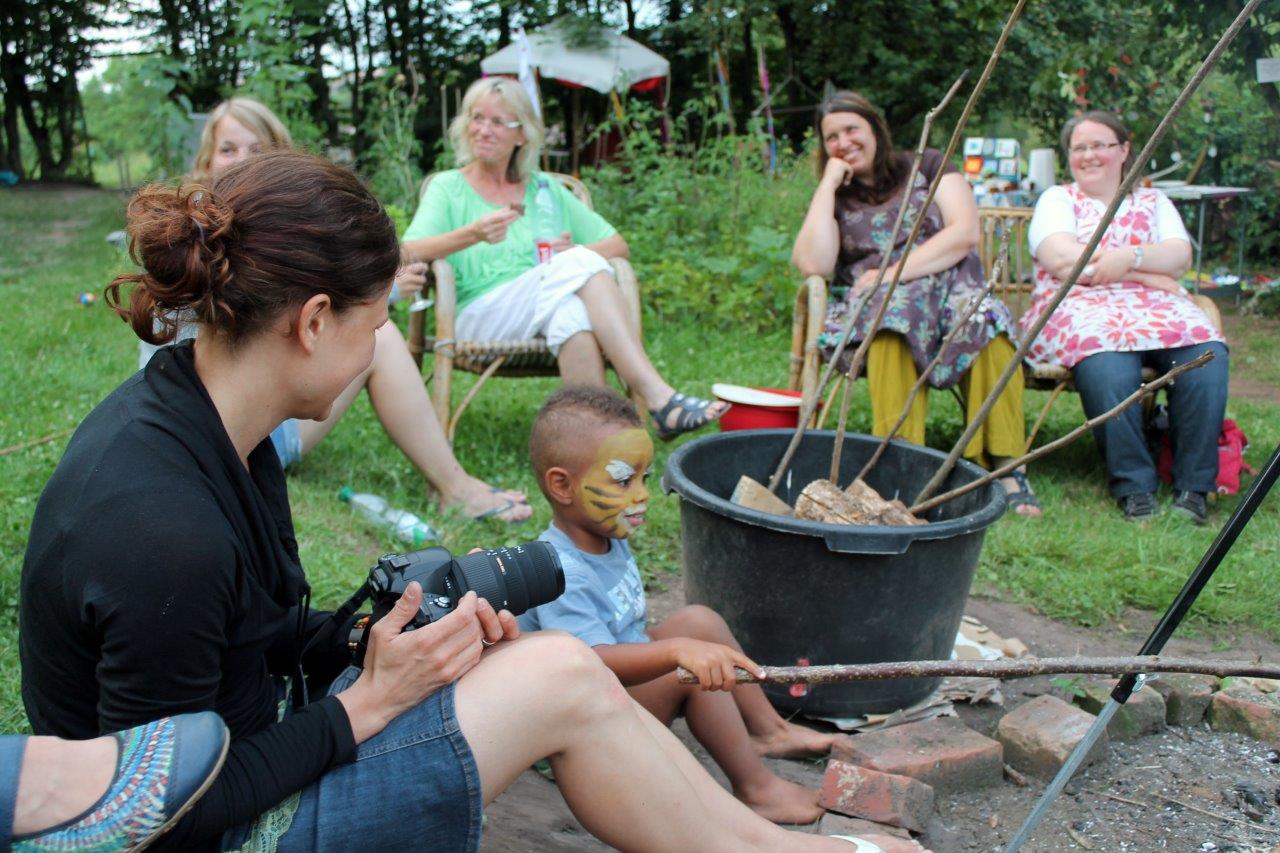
[263,769]
[163,623]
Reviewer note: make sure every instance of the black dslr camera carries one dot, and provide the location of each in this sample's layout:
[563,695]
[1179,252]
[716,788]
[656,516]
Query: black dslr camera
[513,579]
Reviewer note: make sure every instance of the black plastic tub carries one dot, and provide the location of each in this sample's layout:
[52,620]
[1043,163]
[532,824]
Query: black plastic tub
[798,591]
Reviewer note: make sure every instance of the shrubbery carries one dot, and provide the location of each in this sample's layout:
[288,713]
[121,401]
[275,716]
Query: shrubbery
[710,230]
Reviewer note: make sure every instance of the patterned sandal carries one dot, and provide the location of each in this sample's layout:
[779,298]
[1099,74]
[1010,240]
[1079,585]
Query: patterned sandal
[691,415]
[162,769]
[1022,496]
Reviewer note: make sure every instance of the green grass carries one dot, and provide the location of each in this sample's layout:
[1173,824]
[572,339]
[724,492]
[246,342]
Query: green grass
[58,358]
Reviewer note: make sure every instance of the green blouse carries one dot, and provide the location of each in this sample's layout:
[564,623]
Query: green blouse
[450,203]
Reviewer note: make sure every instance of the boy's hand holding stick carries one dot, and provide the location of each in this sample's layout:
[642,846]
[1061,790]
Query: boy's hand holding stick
[714,666]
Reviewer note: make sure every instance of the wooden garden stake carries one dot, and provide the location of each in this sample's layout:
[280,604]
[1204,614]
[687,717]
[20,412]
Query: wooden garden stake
[1001,668]
[1126,185]
[1003,470]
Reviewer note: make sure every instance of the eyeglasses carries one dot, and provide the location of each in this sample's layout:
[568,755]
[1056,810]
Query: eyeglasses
[1092,147]
[494,123]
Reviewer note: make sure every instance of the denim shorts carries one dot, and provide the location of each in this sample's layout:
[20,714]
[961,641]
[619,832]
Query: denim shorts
[414,785]
[288,442]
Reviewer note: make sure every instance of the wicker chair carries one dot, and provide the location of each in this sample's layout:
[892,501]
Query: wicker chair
[494,358]
[1014,288]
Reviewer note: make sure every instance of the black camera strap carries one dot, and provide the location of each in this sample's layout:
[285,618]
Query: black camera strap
[342,620]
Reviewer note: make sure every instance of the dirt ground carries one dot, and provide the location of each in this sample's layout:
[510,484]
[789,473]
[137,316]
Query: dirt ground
[1162,792]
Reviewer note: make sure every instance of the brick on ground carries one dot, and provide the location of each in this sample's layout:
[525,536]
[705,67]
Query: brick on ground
[1239,707]
[838,824]
[880,797]
[941,752]
[1142,715]
[1187,696]
[1039,735]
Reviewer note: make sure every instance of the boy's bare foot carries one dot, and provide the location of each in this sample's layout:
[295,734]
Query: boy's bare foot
[790,740]
[781,801]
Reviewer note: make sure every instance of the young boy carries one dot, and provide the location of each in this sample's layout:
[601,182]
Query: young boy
[591,455]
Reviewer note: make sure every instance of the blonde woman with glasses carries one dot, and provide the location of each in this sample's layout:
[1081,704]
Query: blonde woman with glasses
[479,217]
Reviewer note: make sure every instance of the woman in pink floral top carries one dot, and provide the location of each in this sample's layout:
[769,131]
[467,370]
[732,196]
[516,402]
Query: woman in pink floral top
[1127,311]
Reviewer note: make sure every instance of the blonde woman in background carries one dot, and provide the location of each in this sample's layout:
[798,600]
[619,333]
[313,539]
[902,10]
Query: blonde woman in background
[479,217]
[239,128]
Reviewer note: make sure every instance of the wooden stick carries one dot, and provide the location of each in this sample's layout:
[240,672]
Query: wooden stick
[1001,668]
[886,251]
[35,442]
[1214,815]
[1135,172]
[996,272]
[1046,449]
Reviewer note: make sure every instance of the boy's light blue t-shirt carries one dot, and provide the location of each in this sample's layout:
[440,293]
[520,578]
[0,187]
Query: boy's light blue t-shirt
[603,602]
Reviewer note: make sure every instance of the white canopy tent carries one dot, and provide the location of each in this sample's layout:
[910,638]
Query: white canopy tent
[614,62]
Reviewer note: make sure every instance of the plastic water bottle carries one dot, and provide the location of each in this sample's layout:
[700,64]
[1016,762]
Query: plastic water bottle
[401,523]
[548,224]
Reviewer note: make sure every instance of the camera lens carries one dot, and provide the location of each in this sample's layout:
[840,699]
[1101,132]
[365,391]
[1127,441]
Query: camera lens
[514,579]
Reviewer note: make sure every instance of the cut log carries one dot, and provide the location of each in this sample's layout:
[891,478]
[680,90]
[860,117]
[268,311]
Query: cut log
[824,501]
[753,495]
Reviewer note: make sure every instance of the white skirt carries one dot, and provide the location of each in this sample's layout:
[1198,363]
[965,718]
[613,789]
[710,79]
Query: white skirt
[542,302]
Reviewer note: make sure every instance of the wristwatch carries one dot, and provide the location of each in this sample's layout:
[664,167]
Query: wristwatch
[1137,257]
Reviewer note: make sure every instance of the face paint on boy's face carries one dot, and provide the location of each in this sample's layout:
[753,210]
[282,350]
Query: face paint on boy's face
[612,490]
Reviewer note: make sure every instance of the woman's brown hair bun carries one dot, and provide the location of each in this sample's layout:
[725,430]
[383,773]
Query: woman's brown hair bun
[177,237]
[267,235]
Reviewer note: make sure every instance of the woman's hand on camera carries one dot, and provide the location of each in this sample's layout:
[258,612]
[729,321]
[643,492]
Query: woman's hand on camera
[496,626]
[713,663]
[492,227]
[402,669]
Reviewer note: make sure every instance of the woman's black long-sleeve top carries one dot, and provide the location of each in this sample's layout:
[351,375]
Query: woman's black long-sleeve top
[162,577]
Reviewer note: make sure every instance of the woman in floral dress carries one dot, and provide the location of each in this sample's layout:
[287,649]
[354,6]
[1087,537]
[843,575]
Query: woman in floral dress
[860,188]
[1127,311]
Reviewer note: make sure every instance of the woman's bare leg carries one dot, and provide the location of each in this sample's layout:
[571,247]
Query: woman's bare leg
[620,345]
[627,778]
[581,361]
[401,403]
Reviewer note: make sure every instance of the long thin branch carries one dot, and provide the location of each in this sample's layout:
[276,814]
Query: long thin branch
[1126,185]
[996,272]
[1045,450]
[1000,668]
[886,250]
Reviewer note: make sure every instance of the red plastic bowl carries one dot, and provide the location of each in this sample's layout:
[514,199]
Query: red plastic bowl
[747,416]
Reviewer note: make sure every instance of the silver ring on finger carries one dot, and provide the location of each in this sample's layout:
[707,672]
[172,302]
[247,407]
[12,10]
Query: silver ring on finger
[486,643]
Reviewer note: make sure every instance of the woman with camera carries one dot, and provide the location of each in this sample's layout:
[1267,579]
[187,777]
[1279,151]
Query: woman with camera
[162,572]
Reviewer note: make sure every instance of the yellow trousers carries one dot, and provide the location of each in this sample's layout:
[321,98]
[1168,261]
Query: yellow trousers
[891,372]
